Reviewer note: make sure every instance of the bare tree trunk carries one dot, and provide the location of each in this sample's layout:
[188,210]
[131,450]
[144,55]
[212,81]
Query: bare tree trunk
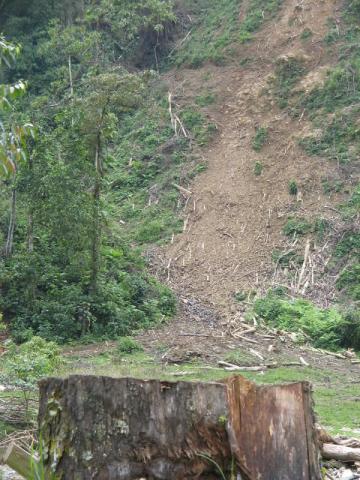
[127,429]
[11,228]
[30,240]
[30,232]
[96,240]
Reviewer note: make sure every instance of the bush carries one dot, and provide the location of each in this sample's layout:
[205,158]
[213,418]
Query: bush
[296,226]
[128,345]
[288,72]
[349,282]
[261,137]
[258,168]
[62,310]
[293,188]
[326,328]
[34,359]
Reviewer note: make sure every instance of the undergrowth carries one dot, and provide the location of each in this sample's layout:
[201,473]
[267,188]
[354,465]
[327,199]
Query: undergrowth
[148,161]
[325,328]
[217,29]
[260,138]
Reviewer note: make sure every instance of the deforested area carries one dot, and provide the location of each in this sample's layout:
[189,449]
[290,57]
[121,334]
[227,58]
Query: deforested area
[179,202]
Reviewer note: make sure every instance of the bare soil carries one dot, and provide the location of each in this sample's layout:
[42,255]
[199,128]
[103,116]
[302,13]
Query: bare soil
[233,220]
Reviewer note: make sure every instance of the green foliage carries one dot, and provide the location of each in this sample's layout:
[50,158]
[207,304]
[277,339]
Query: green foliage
[205,99]
[37,358]
[142,192]
[218,29]
[215,30]
[339,95]
[332,186]
[296,226]
[128,345]
[339,140]
[349,282]
[240,296]
[321,227]
[83,192]
[257,12]
[261,137]
[306,34]
[240,357]
[258,168]
[287,258]
[293,188]
[326,328]
[13,137]
[341,88]
[288,71]
[195,121]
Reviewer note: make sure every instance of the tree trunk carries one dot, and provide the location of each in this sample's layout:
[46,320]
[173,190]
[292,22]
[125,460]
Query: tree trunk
[127,429]
[11,228]
[96,240]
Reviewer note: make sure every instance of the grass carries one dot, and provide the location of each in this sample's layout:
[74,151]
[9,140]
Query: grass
[217,29]
[335,396]
[288,71]
[293,188]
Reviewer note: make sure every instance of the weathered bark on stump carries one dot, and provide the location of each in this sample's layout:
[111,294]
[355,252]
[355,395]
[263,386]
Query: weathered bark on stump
[271,430]
[105,428]
[125,429]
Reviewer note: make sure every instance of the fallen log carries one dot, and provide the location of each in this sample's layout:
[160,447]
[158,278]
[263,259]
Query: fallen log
[230,367]
[331,451]
[19,460]
[104,428]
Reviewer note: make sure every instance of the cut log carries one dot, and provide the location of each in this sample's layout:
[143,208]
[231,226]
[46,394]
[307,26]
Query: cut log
[19,460]
[2,454]
[231,367]
[331,451]
[125,429]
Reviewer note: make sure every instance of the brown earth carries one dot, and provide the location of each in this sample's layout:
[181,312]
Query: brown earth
[234,219]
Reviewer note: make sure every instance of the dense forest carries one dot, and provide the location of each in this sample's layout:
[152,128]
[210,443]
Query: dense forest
[88,155]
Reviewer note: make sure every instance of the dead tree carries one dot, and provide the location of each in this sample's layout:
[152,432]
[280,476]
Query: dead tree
[125,429]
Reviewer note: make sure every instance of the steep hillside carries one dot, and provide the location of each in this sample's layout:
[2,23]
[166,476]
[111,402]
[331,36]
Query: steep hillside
[262,196]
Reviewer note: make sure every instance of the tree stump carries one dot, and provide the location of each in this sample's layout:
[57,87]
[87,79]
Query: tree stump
[126,429]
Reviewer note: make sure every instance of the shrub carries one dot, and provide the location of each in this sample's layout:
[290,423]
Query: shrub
[261,137]
[293,188]
[349,282]
[34,359]
[296,226]
[128,345]
[205,99]
[288,72]
[326,328]
[258,168]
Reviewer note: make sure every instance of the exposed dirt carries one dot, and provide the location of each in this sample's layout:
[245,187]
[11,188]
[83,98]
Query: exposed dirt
[233,220]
